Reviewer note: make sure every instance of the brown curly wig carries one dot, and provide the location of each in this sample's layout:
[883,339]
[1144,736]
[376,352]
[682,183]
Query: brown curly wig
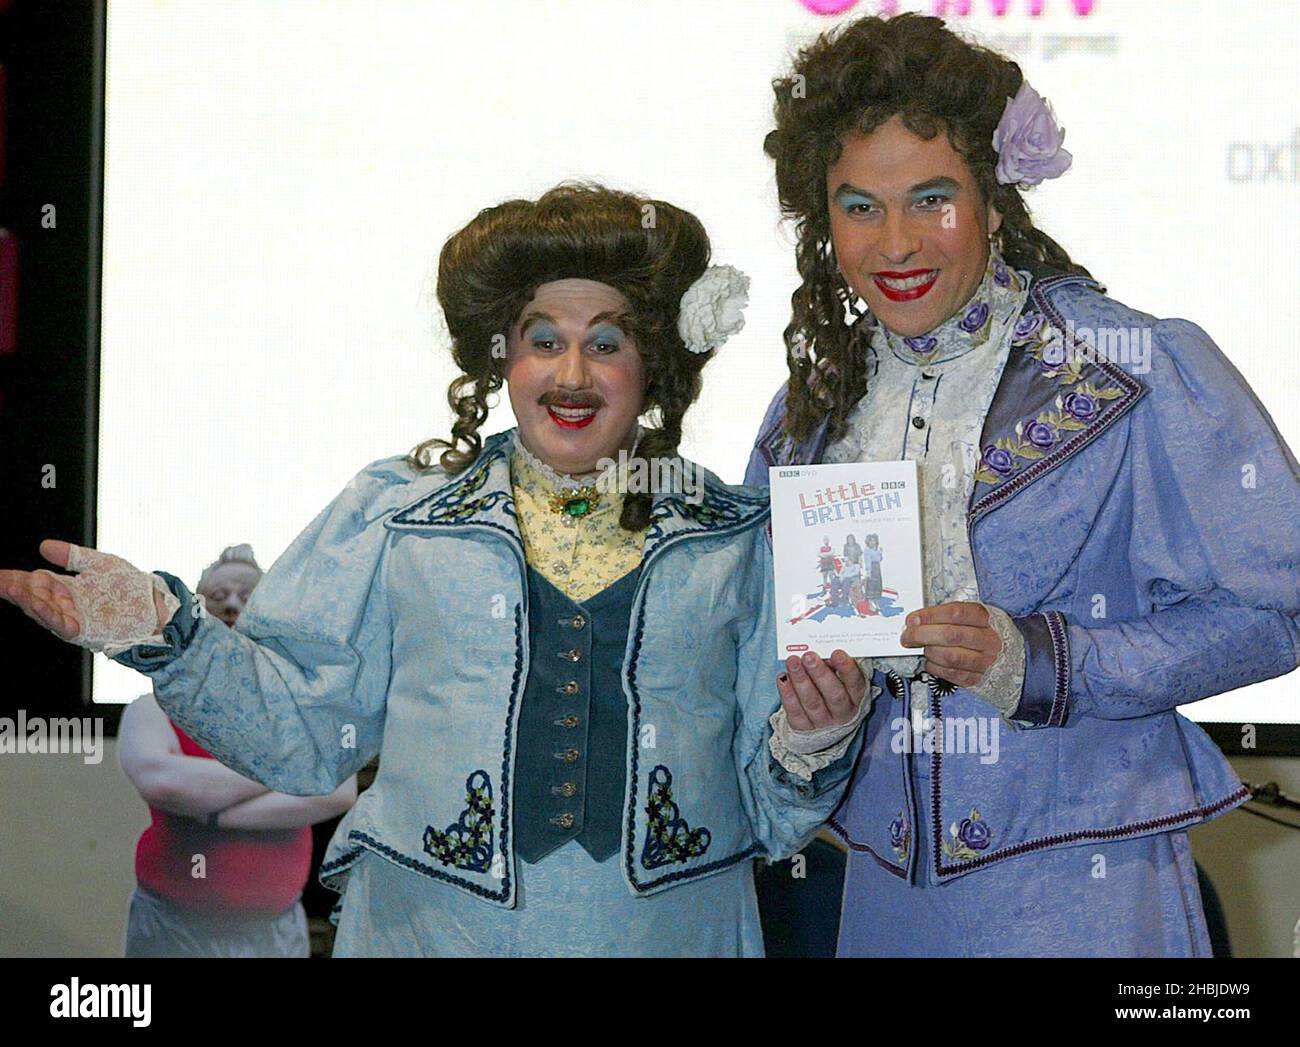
[648,250]
[854,78]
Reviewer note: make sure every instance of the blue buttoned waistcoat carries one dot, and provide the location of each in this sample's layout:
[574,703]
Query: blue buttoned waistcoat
[573,721]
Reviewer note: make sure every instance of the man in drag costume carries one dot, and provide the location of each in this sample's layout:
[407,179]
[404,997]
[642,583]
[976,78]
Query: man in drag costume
[572,681]
[1106,536]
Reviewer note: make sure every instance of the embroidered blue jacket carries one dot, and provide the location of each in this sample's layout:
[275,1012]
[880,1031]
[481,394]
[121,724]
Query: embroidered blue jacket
[399,620]
[1172,496]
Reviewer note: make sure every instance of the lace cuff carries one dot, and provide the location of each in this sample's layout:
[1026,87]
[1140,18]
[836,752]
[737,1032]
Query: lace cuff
[1004,682]
[149,655]
[113,600]
[804,752]
[155,638]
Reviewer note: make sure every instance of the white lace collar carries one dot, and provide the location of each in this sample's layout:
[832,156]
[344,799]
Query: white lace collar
[554,479]
[997,301]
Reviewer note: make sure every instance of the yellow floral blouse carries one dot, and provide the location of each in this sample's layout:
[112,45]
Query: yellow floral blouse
[579,555]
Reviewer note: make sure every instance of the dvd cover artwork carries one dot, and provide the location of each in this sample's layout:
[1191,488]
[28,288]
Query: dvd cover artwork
[847,547]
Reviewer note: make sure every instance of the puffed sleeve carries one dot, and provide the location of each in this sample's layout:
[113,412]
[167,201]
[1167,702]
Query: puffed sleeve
[784,810]
[294,695]
[1214,549]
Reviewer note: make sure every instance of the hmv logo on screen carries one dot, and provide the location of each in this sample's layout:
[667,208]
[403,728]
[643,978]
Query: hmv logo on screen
[946,8]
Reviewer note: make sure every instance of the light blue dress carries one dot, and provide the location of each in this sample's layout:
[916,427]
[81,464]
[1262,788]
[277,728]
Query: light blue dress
[391,911]
[398,623]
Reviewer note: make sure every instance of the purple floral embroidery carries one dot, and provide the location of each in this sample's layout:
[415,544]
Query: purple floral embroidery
[1045,344]
[969,836]
[999,460]
[1000,275]
[1027,326]
[974,835]
[1040,434]
[1074,409]
[1071,411]
[975,317]
[921,344]
[1053,355]
[900,835]
[1080,405]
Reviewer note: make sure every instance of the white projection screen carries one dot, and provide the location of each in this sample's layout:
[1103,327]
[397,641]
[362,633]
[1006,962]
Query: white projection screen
[281,174]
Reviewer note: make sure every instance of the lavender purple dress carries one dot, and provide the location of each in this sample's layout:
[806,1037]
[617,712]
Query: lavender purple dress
[1084,515]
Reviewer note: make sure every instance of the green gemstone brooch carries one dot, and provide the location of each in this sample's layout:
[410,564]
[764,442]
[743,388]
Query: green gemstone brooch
[576,501]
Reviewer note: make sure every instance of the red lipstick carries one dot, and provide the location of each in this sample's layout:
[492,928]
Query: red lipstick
[894,294]
[572,423]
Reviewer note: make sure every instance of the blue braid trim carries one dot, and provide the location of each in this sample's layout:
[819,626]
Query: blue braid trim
[629,855]
[368,842]
[516,689]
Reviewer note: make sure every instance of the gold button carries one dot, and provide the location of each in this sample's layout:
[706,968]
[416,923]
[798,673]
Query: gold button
[567,721]
[567,789]
[574,655]
[578,621]
[568,755]
[571,687]
[564,821]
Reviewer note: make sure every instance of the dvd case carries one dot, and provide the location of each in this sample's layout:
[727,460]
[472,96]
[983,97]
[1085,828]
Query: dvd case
[847,545]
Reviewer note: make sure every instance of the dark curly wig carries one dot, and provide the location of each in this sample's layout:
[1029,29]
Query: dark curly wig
[648,250]
[854,78]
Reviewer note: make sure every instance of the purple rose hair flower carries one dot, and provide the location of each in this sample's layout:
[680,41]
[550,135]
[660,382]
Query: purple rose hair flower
[1028,140]
[998,459]
[1082,406]
[922,343]
[1040,434]
[974,834]
[1028,325]
[975,317]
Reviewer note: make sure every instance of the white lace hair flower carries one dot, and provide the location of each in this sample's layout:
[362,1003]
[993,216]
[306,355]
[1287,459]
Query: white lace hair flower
[713,308]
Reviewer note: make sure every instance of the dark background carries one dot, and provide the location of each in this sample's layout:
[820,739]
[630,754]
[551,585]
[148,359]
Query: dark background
[53,54]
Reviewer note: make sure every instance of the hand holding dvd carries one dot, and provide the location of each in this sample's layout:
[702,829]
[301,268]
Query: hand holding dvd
[960,644]
[821,693]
